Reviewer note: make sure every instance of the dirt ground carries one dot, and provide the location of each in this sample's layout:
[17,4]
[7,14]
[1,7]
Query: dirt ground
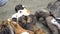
[33,5]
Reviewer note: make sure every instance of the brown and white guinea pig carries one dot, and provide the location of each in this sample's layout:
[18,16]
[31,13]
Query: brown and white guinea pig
[4,28]
[20,11]
[27,22]
[18,29]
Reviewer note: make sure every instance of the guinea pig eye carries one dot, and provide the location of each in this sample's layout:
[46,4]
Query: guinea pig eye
[20,11]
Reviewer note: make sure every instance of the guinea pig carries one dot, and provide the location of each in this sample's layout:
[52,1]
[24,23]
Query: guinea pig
[20,11]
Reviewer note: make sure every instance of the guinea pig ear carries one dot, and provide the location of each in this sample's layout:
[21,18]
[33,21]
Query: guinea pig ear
[17,7]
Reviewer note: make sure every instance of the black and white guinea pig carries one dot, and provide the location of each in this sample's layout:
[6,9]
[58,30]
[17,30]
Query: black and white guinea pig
[20,11]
